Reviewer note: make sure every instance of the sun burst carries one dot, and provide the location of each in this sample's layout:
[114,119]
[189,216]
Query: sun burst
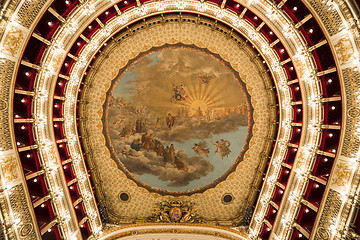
[203,97]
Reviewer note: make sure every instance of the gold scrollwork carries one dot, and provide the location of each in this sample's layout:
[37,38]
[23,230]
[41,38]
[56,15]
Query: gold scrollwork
[9,168]
[342,174]
[26,230]
[344,49]
[175,211]
[3,105]
[322,233]
[353,112]
[13,40]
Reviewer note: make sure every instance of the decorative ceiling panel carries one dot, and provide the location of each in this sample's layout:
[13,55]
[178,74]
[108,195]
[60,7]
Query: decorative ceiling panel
[336,200]
[112,169]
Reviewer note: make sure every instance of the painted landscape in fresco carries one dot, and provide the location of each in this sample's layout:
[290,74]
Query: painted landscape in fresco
[177,119]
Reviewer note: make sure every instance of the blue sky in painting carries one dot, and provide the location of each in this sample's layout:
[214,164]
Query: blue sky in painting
[148,83]
[126,85]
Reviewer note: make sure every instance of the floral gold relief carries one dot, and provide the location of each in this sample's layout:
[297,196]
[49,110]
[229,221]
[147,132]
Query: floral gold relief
[341,175]
[9,168]
[300,160]
[175,211]
[13,40]
[344,49]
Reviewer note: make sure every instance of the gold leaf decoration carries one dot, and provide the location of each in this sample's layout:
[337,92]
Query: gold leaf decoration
[344,49]
[341,175]
[13,40]
[175,211]
[9,168]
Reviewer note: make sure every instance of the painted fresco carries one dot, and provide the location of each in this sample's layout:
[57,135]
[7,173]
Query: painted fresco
[177,119]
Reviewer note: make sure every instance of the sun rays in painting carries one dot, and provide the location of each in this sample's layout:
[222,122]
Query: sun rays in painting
[202,96]
[177,119]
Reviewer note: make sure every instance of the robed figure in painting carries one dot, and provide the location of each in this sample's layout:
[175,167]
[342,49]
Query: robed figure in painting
[195,90]
[170,120]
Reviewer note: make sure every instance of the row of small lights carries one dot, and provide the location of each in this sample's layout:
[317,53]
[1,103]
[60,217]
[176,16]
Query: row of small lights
[55,189]
[271,181]
[11,219]
[90,26]
[334,228]
[77,163]
[121,21]
[50,168]
[296,193]
[349,194]
[8,187]
[97,229]
[281,51]
[90,209]
[71,92]
[328,80]
[329,135]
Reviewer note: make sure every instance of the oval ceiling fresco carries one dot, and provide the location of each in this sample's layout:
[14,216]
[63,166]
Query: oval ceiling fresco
[177,119]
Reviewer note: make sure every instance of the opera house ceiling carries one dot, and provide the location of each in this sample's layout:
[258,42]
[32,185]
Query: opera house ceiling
[179,119]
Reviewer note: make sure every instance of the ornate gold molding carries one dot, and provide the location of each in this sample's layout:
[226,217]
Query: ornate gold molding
[173,229]
[175,211]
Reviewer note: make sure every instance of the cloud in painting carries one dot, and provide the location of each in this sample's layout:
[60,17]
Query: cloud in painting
[147,162]
[143,101]
[201,128]
[184,128]
[154,82]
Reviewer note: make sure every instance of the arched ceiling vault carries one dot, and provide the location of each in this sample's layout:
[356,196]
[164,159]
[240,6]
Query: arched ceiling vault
[311,114]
